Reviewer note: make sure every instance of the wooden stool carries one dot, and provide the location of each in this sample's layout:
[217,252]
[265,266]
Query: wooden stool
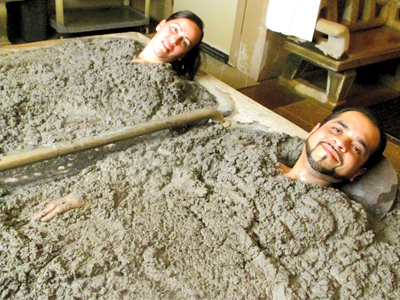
[367,34]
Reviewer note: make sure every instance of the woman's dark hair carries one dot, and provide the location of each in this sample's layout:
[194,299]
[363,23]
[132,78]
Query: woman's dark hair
[188,65]
[376,156]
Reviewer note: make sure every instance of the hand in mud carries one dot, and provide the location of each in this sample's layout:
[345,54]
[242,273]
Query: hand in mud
[58,207]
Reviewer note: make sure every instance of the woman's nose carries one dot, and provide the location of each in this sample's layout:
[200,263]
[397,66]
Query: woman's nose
[176,39]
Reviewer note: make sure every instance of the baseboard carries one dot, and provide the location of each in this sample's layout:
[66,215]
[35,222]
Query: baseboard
[392,139]
[213,52]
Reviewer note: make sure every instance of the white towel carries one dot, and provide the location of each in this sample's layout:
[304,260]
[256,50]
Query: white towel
[293,17]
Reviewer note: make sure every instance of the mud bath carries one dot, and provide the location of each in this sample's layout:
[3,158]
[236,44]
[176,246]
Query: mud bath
[195,213]
[85,87]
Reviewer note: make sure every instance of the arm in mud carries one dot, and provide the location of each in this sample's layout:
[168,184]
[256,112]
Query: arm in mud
[58,207]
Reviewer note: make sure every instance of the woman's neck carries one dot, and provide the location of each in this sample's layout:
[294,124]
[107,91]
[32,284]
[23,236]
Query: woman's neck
[147,55]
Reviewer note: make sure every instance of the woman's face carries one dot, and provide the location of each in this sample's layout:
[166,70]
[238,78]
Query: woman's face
[174,39]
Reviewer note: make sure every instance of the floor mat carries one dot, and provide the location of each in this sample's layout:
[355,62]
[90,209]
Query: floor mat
[389,113]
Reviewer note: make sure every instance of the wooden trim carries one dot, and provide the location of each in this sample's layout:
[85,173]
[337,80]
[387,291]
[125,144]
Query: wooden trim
[217,54]
[237,32]
[60,12]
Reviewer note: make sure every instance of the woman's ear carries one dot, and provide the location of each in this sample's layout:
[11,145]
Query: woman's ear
[161,24]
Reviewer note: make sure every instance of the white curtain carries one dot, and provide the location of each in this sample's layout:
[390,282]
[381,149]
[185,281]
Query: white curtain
[293,17]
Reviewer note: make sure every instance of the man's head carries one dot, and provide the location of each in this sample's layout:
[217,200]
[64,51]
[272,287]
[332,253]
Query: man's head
[345,144]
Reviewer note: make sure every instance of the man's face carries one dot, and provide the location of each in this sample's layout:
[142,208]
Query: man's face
[174,39]
[341,146]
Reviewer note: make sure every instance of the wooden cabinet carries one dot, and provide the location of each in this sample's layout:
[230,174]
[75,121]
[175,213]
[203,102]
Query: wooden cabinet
[85,19]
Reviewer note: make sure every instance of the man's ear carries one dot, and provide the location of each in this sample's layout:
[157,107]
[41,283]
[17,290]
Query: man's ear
[360,172]
[161,24]
[314,129]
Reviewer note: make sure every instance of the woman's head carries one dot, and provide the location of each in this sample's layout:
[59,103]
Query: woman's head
[177,41]
[193,18]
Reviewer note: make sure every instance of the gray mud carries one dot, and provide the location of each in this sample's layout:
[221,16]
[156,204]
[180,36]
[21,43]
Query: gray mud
[85,87]
[195,213]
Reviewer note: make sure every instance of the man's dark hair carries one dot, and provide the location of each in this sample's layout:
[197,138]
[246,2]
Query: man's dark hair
[377,155]
[188,65]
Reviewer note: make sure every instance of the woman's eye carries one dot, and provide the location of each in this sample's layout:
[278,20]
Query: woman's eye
[336,129]
[175,28]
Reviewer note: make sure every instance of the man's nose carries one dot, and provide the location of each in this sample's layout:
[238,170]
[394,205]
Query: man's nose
[342,143]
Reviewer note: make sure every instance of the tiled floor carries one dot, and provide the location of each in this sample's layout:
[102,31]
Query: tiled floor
[302,112]
[305,113]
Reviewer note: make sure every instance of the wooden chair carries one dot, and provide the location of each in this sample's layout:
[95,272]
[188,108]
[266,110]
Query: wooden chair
[349,34]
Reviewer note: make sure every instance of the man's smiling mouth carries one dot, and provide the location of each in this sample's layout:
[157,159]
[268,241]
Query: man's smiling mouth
[331,151]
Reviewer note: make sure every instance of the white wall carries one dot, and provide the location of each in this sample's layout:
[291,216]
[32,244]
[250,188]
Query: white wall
[218,17]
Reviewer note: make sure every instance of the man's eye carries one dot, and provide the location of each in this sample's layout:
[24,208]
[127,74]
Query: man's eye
[336,129]
[356,149]
[184,43]
[175,28]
